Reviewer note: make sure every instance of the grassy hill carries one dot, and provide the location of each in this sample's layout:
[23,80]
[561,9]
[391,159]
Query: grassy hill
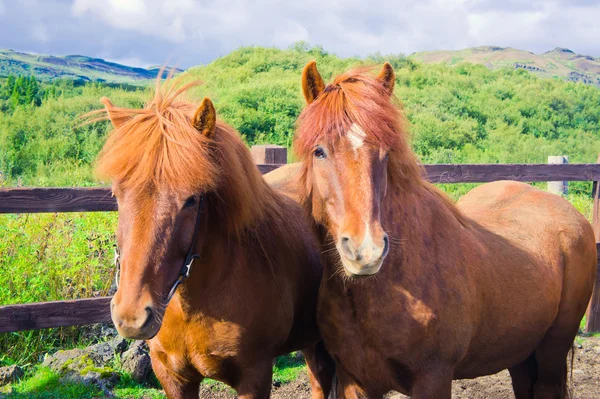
[560,62]
[461,114]
[77,67]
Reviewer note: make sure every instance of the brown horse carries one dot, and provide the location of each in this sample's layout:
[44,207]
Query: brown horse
[418,291]
[186,184]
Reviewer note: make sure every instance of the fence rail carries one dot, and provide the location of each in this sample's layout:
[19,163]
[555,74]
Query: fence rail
[99,199]
[96,310]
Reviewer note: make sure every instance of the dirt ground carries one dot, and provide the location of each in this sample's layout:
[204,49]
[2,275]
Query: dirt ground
[585,384]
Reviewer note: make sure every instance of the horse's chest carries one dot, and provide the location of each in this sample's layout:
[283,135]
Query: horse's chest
[376,337]
[205,345]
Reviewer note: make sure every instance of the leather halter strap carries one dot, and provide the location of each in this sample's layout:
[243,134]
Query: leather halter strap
[187,263]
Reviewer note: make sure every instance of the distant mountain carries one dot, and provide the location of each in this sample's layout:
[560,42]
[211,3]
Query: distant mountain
[560,62]
[77,67]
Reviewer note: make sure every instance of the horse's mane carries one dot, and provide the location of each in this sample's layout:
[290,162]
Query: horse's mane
[358,97]
[157,148]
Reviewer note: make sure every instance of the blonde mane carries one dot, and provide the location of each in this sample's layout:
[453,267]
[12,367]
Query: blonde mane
[157,148]
[358,97]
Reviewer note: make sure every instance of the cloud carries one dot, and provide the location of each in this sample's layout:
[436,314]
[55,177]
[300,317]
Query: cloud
[188,32]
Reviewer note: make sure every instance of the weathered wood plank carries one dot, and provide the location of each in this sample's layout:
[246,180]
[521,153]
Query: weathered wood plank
[76,199]
[33,316]
[36,200]
[483,173]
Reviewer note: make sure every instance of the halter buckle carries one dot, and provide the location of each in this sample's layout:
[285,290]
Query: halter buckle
[117,262]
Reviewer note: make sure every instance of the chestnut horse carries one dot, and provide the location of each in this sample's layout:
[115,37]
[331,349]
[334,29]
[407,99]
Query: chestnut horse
[418,291]
[188,191]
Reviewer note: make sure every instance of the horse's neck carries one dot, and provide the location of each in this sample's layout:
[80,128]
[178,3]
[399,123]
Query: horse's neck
[210,272]
[412,216]
[222,254]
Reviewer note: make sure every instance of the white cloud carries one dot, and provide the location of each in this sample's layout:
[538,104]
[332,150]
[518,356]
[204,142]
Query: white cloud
[40,33]
[193,31]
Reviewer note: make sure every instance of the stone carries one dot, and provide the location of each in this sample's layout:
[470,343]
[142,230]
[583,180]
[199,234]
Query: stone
[60,359]
[98,332]
[82,366]
[104,352]
[10,374]
[136,361]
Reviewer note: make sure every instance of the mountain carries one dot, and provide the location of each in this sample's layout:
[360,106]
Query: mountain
[560,62]
[77,67]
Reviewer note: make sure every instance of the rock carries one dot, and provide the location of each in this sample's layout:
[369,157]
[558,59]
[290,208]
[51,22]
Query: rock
[105,351]
[136,361]
[10,374]
[60,359]
[85,366]
[98,332]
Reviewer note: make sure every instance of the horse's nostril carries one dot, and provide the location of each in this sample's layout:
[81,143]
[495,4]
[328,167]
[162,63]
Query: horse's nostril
[149,316]
[386,245]
[346,245]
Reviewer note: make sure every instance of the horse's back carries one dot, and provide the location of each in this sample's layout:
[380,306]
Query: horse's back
[510,207]
[285,179]
[541,260]
[543,224]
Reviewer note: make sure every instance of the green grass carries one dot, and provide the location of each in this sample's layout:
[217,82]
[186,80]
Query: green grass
[48,257]
[287,368]
[45,384]
[40,382]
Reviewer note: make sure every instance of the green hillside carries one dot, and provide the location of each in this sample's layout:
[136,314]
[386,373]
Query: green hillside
[462,114]
[77,67]
[560,62]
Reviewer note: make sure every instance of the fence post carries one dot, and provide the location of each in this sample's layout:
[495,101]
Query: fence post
[269,154]
[558,187]
[592,323]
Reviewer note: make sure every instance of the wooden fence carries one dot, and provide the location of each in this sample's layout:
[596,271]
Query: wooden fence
[96,310]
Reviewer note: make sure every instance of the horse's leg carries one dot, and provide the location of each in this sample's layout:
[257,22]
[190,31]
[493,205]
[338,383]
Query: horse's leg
[321,370]
[551,356]
[255,382]
[348,388]
[175,385]
[523,377]
[433,383]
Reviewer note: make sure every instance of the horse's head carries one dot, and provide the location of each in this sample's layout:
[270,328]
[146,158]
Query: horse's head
[159,161]
[349,137]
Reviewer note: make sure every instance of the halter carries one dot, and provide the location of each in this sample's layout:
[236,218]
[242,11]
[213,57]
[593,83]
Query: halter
[187,263]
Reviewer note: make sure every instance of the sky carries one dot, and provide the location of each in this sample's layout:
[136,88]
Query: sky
[184,33]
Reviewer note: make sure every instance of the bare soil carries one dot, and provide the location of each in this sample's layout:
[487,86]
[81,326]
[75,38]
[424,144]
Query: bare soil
[585,383]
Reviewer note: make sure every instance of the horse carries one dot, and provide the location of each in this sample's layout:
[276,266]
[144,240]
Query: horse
[189,194]
[417,290]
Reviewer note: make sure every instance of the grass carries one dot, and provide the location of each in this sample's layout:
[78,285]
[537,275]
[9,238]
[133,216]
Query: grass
[287,369]
[41,382]
[45,384]
[48,257]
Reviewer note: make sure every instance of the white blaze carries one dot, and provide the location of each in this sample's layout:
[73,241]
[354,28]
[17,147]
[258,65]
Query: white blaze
[356,135]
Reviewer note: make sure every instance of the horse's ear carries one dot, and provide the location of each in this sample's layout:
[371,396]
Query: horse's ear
[113,113]
[387,77]
[205,118]
[312,82]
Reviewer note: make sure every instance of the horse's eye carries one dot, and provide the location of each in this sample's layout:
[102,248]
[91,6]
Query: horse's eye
[319,153]
[190,202]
